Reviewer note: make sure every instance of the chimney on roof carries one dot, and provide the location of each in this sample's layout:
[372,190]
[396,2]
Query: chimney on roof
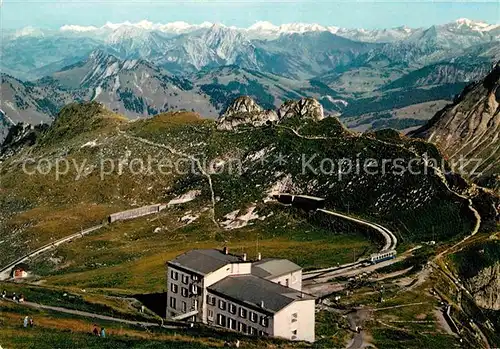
[244,257]
[259,256]
[225,250]
[262,304]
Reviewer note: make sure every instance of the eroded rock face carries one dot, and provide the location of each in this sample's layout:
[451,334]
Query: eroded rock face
[485,287]
[243,104]
[20,135]
[305,108]
[244,110]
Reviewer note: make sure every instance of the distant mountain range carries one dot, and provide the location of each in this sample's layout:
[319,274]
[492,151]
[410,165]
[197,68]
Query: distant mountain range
[143,68]
[32,53]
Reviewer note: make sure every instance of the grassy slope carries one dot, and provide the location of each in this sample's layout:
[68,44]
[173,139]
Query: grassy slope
[56,330]
[129,257]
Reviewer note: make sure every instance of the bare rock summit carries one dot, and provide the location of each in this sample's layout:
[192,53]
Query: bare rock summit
[304,108]
[245,111]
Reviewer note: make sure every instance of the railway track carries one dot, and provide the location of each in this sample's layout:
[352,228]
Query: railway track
[5,271]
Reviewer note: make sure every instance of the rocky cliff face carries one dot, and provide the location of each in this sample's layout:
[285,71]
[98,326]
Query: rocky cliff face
[478,265]
[467,131]
[304,108]
[485,287]
[244,111]
[19,136]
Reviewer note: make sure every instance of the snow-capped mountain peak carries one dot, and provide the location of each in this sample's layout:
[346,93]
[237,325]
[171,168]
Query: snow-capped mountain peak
[479,26]
[178,27]
[77,28]
[143,33]
[28,31]
[263,26]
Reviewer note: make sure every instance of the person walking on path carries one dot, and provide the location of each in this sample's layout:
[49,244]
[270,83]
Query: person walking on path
[25,322]
[32,323]
[103,333]
[95,331]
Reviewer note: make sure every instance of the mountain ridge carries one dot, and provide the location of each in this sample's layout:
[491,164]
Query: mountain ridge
[264,29]
[469,128]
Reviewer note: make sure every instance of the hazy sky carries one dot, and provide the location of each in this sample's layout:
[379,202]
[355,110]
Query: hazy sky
[359,14]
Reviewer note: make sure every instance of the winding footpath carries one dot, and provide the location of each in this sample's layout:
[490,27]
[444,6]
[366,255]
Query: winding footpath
[93,315]
[181,154]
[439,173]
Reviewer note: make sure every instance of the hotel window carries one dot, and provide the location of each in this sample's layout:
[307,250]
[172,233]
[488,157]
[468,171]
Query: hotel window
[195,277]
[253,317]
[222,304]
[174,275]
[242,327]
[172,302]
[210,300]
[264,321]
[194,289]
[243,313]
[184,306]
[185,279]
[232,308]
[231,323]
[174,288]
[184,292]
[210,314]
[252,330]
[221,320]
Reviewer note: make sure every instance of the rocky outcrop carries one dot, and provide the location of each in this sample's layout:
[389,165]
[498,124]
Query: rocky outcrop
[485,287]
[245,111]
[467,131]
[19,136]
[243,104]
[478,266]
[304,108]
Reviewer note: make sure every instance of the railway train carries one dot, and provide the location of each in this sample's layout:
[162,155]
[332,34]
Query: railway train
[382,256]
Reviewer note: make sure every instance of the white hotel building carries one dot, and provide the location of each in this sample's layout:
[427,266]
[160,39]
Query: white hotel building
[263,297]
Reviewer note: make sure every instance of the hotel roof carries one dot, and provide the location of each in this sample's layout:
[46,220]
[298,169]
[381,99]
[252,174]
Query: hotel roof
[273,267]
[204,261]
[255,291]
